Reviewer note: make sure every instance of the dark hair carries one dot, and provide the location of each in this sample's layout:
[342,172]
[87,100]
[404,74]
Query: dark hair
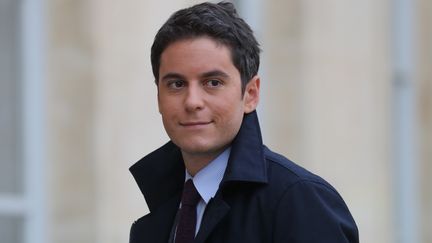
[218,21]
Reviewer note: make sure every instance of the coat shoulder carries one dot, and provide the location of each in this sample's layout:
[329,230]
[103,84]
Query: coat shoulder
[288,172]
[307,204]
[287,177]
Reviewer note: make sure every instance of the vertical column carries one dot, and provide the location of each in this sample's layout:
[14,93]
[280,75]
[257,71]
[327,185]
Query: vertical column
[405,147]
[280,108]
[345,105]
[70,101]
[34,119]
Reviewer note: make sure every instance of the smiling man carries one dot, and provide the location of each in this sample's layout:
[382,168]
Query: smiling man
[215,181]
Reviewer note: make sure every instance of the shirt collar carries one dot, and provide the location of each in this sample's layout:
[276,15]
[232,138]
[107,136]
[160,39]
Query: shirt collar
[207,180]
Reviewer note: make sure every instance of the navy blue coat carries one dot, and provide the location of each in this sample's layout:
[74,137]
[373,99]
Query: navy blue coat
[263,197]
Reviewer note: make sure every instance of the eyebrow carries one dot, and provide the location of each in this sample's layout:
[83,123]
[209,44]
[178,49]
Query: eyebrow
[172,76]
[213,73]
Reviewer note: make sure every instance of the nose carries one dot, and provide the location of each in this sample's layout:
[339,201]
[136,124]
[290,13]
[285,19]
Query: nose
[194,100]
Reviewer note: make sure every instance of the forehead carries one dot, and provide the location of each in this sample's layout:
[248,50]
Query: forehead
[198,54]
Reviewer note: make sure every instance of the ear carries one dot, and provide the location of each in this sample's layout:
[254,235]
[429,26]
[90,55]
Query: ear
[158,99]
[251,94]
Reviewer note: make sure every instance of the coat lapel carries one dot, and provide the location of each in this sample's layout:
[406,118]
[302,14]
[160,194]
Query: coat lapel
[160,175]
[246,162]
[215,212]
[156,226]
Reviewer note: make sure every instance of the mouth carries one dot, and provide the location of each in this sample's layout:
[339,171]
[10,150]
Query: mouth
[195,123]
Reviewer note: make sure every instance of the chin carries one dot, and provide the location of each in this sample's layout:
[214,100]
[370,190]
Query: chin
[195,149]
[199,148]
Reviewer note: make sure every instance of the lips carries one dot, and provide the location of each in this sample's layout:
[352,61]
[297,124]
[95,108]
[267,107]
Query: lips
[195,123]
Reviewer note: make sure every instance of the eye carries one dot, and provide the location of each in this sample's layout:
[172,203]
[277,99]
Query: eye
[213,83]
[176,84]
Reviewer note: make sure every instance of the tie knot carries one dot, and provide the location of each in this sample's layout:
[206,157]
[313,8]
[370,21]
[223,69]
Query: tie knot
[190,195]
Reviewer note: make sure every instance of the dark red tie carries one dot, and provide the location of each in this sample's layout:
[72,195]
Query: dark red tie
[186,227]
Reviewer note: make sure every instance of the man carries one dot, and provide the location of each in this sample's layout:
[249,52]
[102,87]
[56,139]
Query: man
[215,181]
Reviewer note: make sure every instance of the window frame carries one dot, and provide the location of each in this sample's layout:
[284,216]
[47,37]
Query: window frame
[30,204]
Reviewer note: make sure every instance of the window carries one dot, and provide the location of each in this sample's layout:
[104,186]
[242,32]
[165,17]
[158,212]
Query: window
[21,207]
[11,162]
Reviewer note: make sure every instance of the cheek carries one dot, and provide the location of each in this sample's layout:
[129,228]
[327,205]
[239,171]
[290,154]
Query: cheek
[167,107]
[169,125]
[231,114]
[168,118]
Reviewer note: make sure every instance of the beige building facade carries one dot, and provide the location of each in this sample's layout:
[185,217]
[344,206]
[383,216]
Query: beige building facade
[344,94]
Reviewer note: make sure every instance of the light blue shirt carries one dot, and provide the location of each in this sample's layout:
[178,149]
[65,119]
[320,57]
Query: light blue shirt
[207,182]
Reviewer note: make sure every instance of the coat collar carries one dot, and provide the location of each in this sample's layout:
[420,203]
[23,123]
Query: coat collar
[160,174]
[246,162]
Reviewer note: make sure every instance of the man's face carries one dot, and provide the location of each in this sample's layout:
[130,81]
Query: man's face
[200,98]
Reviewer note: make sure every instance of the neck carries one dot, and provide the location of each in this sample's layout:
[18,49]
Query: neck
[195,162]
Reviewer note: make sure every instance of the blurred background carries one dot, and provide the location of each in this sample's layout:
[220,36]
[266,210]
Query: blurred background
[346,93]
